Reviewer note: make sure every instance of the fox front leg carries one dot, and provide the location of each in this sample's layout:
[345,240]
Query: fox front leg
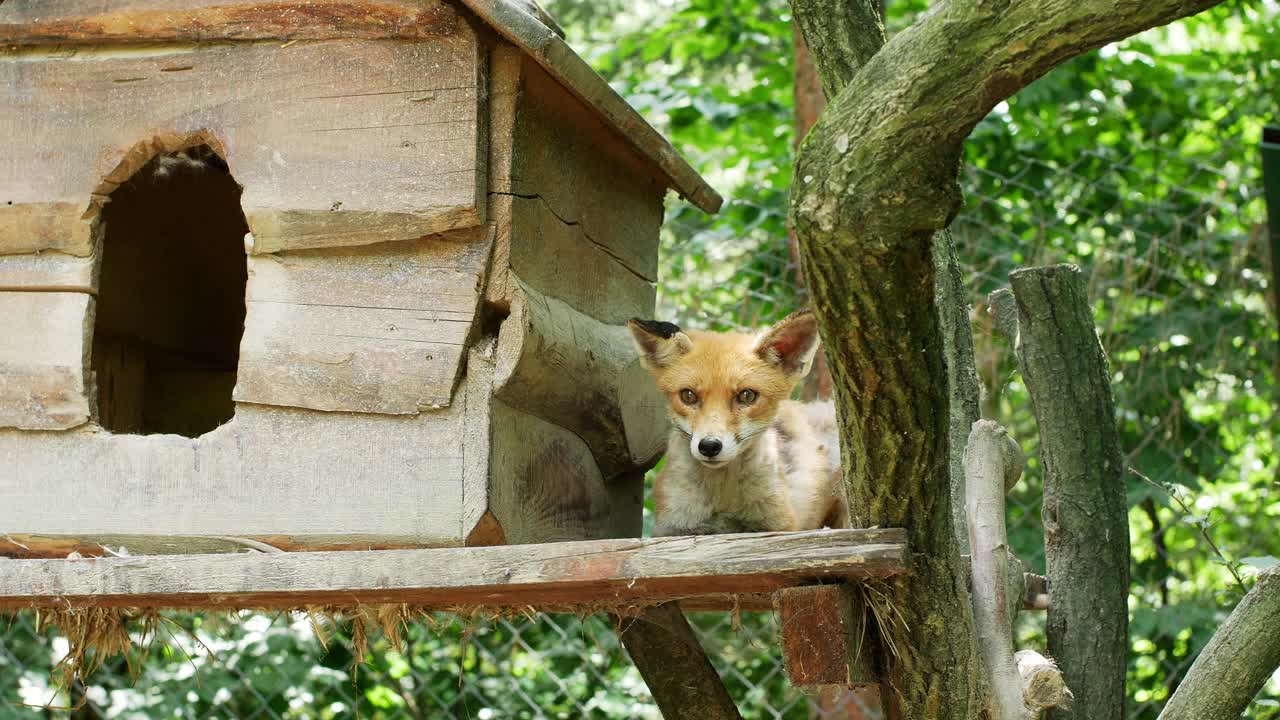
[674,530]
[719,524]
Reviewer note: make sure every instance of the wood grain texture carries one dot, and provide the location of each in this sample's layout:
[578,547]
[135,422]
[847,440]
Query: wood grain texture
[49,271]
[269,472]
[28,227]
[572,573]
[44,359]
[551,53]
[544,485]
[39,22]
[505,68]
[583,375]
[667,653]
[479,525]
[288,120]
[63,22]
[566,155]
[542,248]
[823,636]
[378,329]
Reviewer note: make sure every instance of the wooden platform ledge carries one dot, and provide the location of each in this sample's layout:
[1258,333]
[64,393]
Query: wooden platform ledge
[556,575]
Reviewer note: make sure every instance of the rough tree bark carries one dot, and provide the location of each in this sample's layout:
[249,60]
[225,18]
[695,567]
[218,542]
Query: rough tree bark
[1238,660]
[951,300]
[810,102]
[1086,519]
[875,179]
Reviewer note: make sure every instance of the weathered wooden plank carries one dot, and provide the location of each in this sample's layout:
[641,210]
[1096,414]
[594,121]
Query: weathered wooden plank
[567,156]
[44,358]
[65,22]
[560,574]
[561,63]
[583,375]
[371,329]
[50,271]
[479,526]
[342,142]
[544,485]
[268,473]
[823,636]
[542,248]
[505,63]
[28,227]
[31,22]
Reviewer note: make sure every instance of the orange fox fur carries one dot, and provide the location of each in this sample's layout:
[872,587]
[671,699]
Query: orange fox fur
[742,456]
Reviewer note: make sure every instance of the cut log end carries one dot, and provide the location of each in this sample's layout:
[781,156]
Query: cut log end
[1042,685]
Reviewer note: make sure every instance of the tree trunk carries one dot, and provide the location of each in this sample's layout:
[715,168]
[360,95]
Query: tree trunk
[671,660]
[875,179]
[1238,660]
[951,298]
[1085,510]
[810,102]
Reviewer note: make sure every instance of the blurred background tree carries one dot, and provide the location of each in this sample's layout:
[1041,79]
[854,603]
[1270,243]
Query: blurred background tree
[1137,162]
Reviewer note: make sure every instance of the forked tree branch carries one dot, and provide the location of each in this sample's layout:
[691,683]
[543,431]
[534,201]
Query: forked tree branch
[875,180]
[850,32]
[898,122]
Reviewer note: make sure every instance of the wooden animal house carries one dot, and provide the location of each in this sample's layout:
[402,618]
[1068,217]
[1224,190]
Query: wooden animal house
[319,275]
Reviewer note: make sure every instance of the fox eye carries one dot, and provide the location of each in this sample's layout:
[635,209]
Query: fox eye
[748,396]
[688,397]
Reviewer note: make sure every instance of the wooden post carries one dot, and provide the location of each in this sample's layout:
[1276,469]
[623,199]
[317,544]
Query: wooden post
[823,632]
[673,664]
[1085,511]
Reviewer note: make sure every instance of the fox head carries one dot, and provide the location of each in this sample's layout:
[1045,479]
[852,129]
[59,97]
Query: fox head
[724,389]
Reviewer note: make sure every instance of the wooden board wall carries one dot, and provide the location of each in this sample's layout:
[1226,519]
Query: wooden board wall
[577,210]
[296,479]
[576,213]
[336,142]
[379,329]
[44,359]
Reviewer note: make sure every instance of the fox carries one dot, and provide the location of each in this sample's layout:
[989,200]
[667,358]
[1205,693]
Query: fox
[741,455]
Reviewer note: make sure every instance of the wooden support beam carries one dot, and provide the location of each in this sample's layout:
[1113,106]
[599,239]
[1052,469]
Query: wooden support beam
[550,575]
[823,629]
[674,666]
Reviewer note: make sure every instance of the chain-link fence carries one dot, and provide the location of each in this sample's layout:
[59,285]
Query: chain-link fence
[1173,246]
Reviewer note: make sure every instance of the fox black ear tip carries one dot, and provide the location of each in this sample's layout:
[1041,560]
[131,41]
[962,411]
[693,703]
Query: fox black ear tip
[664,330]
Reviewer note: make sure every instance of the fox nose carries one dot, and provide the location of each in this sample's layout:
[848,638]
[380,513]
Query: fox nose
[710,447]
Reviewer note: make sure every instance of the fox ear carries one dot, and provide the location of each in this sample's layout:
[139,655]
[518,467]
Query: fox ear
[659,343]
[791,344]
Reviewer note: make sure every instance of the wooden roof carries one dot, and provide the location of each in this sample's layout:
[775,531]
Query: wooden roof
[69,22]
